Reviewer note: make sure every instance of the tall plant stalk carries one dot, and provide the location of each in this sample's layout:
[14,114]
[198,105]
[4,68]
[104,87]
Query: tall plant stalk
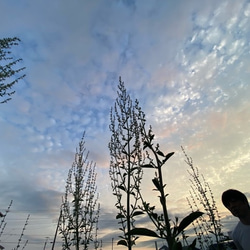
[80,209]
[22,234]
[165,228]
[125,172]
[201,196]
[132,149]
[3,224]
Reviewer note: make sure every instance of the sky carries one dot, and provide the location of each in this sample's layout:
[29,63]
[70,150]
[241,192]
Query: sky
[187,62]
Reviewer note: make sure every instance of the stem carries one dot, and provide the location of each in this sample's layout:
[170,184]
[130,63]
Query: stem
[128,189]
[163,202]
[170,239]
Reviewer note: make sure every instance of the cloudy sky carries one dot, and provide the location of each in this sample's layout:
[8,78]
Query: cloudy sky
[187,62]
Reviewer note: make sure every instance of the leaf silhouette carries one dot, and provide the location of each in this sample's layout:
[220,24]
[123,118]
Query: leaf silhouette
[188,220]
[160,153]
[121,187]
[167,157]
[120,216]
[137,213]
[147,166]
[122,242]
[156,183]
[144,232]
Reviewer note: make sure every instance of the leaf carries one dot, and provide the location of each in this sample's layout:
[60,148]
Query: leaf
[151,137]
[188,220]
[121,187]
[119,207]
[155,216]
[133,193]
[120,216]
[144,232]
[160,153]
[167,157]
[156,183]
[147,166]
[146,144]
[132,169]
[137,213]
[122,242]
